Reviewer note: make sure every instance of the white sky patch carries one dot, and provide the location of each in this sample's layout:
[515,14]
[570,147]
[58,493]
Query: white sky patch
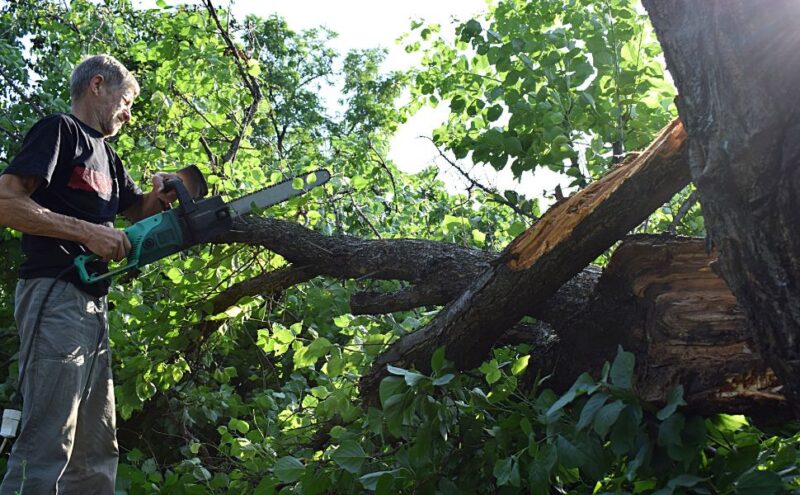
[362,24]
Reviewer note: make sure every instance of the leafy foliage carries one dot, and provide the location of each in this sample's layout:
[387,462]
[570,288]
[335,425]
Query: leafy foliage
[260,397]
[568,85]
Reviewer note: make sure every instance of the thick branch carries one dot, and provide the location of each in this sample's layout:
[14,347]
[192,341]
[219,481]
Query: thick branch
[269,283]
[658,298]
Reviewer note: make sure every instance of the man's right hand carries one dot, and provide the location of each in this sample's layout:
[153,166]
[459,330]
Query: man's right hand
[108,243]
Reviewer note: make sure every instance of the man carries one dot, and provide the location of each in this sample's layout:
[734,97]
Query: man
[63,191]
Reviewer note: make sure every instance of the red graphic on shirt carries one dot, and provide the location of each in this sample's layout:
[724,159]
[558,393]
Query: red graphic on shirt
[86,179]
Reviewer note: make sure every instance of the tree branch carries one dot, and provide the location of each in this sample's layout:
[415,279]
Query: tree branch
[249,81]
[496,197]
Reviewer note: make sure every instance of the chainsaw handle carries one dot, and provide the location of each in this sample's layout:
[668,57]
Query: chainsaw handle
[184,197]
[90,278]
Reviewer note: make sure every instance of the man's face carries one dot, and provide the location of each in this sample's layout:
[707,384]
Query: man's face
[114,108]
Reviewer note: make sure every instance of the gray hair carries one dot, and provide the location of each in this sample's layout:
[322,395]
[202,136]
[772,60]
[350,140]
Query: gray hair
[107,66]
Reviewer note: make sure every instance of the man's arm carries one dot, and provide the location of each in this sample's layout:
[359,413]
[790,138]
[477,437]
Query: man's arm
[19,212]
[153,202]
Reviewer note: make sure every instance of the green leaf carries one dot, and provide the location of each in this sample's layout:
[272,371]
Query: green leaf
[622,369]
[491,370]
[342,321]
[443,380]
[512,145]
[569,455]
[507,472]
[438,360]
[175,275]
[583,384]
[282,334]
[674,399]
[759,483]
[288,469]
[390,386]
[607,416]
[370,480]
[253,68]
[589,410]
[494,113]
[520,365]
[624,431]
[350,456]
[309,355]
[669,433]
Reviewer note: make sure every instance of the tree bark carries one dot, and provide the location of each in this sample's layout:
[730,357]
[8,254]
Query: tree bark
[658,298]
[736,65]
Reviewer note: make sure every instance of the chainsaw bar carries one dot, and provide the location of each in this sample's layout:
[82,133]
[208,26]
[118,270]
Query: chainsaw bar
[277,193]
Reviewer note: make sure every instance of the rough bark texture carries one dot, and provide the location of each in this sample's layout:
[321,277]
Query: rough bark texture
[658,298]
[736,65]
[532,268]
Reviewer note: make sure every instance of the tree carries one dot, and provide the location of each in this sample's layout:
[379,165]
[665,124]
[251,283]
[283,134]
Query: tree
[237,364]
[745,170]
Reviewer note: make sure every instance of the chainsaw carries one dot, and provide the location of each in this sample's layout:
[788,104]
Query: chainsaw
[195,220]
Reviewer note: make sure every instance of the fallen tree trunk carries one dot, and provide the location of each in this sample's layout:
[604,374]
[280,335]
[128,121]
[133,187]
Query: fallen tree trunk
[736,65]
[533,267]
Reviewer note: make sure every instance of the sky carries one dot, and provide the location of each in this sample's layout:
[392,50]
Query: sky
[369,24]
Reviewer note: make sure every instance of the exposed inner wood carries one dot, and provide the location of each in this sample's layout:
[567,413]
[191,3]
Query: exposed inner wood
[563,219]
[737,100]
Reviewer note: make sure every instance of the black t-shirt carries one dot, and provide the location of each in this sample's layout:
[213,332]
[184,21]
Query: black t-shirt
[83,178]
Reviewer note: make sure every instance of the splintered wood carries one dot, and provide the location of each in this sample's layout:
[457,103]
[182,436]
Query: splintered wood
[562,243]
[637,186]
[694,332]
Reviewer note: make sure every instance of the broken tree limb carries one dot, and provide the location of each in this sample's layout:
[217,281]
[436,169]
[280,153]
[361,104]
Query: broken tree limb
[532,268]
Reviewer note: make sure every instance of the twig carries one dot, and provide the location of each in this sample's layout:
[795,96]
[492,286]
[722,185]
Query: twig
[385,166]
[203,116]
[496,197]
[12,135]
[28,99]
[682,211]
[249,81]
[364,217]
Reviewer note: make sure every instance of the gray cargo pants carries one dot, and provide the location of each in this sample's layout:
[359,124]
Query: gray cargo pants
[67,441]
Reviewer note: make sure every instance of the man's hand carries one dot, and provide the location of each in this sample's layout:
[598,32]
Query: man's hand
[108,243]
[155,201]
[158,180]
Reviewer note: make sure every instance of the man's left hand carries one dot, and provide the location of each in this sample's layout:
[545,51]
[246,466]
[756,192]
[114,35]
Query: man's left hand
[158,180]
